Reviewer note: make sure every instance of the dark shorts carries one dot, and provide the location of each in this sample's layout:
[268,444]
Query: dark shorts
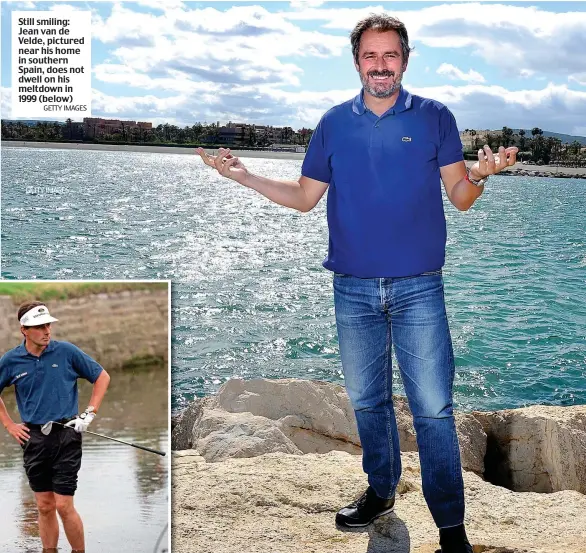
[52,462]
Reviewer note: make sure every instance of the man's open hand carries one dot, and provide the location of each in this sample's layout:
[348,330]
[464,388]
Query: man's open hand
[226,164]
[491,164]
[19,432]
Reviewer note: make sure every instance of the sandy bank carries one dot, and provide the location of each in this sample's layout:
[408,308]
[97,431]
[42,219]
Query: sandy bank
[146,149]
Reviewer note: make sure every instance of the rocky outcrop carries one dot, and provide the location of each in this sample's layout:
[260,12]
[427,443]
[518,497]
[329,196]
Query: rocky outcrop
[283,503]
[264,465]
[551,171]
[538,448]
[550,174]
[254,417]
[541,449]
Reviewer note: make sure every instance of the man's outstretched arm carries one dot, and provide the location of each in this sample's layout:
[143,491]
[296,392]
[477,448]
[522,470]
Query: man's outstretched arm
[460,191]
[302,195]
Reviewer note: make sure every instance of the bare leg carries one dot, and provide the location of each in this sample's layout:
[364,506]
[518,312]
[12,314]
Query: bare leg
[72,523]
[48,525]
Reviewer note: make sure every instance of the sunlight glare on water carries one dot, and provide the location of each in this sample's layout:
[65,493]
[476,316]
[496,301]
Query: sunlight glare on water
[250,296]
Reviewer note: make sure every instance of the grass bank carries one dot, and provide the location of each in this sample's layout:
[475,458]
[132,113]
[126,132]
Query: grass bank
[45,291]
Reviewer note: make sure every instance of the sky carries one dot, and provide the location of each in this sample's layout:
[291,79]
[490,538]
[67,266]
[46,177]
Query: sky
[519,64]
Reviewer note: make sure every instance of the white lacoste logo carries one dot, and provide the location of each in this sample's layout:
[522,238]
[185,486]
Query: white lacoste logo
[406,139]
[54,365]
[20,375]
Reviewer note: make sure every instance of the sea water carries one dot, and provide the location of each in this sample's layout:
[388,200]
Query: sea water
[250,297]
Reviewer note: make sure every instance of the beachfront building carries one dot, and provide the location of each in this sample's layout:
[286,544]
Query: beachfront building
[243,134]
[73,130]
[472,139]
[97,127]
[232,134]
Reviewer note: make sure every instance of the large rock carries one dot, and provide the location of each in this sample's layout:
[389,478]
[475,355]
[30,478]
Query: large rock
[221,435]
[318,407]
[538,448]
[186,423]
[281,503]
[254,417]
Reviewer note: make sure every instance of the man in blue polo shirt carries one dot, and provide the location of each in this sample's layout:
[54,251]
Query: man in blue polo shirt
[381,157]
[44,373]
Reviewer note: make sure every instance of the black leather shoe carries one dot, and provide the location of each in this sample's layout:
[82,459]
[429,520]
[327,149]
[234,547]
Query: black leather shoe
[454,540]
[364,510]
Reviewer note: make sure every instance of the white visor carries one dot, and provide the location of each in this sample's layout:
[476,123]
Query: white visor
[37,316]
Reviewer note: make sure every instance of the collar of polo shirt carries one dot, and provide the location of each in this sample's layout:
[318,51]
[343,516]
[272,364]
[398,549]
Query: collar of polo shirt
[403,102]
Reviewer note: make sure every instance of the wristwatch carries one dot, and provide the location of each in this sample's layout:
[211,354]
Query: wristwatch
[480,182]
[89,410]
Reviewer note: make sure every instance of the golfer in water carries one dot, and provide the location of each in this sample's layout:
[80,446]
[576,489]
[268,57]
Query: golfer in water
[44,373]
[381,156]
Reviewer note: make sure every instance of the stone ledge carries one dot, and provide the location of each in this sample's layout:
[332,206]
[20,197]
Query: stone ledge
[538,448]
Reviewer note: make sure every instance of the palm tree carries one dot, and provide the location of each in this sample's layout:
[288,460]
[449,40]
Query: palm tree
[304,133]
[69,122]
[474,143]
[521,139]
[575,148]
[252,139]
[507,135]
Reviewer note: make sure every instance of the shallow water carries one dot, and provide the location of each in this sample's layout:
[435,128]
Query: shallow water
[250,297]
[122,495]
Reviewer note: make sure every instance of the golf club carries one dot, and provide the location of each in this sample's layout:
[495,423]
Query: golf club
[46,430]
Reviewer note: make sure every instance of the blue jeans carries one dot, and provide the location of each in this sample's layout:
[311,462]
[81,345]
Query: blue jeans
[374,315]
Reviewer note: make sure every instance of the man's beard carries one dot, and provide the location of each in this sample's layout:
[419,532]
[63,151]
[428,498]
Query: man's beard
[381,90]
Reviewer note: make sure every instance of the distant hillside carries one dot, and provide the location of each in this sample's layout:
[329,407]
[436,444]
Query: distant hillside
[565,138]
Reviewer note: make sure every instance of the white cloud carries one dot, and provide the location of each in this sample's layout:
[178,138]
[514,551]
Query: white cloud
[555,107]
[304,4]
[579,78]
[452,72]
[6,102]
[512,38]
[162,5]
[242,45]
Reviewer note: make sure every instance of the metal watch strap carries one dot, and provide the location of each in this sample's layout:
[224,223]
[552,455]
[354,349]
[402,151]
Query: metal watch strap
[480,182]
[88,410]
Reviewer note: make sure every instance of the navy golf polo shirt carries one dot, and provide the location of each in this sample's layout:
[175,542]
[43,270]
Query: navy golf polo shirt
[385,209]
[46,386]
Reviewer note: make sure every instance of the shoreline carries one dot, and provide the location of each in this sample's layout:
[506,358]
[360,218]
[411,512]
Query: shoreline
[147,149]
[517,170]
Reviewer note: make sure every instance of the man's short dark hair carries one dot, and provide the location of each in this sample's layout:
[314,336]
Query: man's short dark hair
[381,23]
[27,306]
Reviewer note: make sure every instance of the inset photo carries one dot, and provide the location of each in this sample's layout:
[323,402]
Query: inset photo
[84,407]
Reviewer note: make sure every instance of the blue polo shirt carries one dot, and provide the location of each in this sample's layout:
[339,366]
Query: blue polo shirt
[385,209]
[46,386]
